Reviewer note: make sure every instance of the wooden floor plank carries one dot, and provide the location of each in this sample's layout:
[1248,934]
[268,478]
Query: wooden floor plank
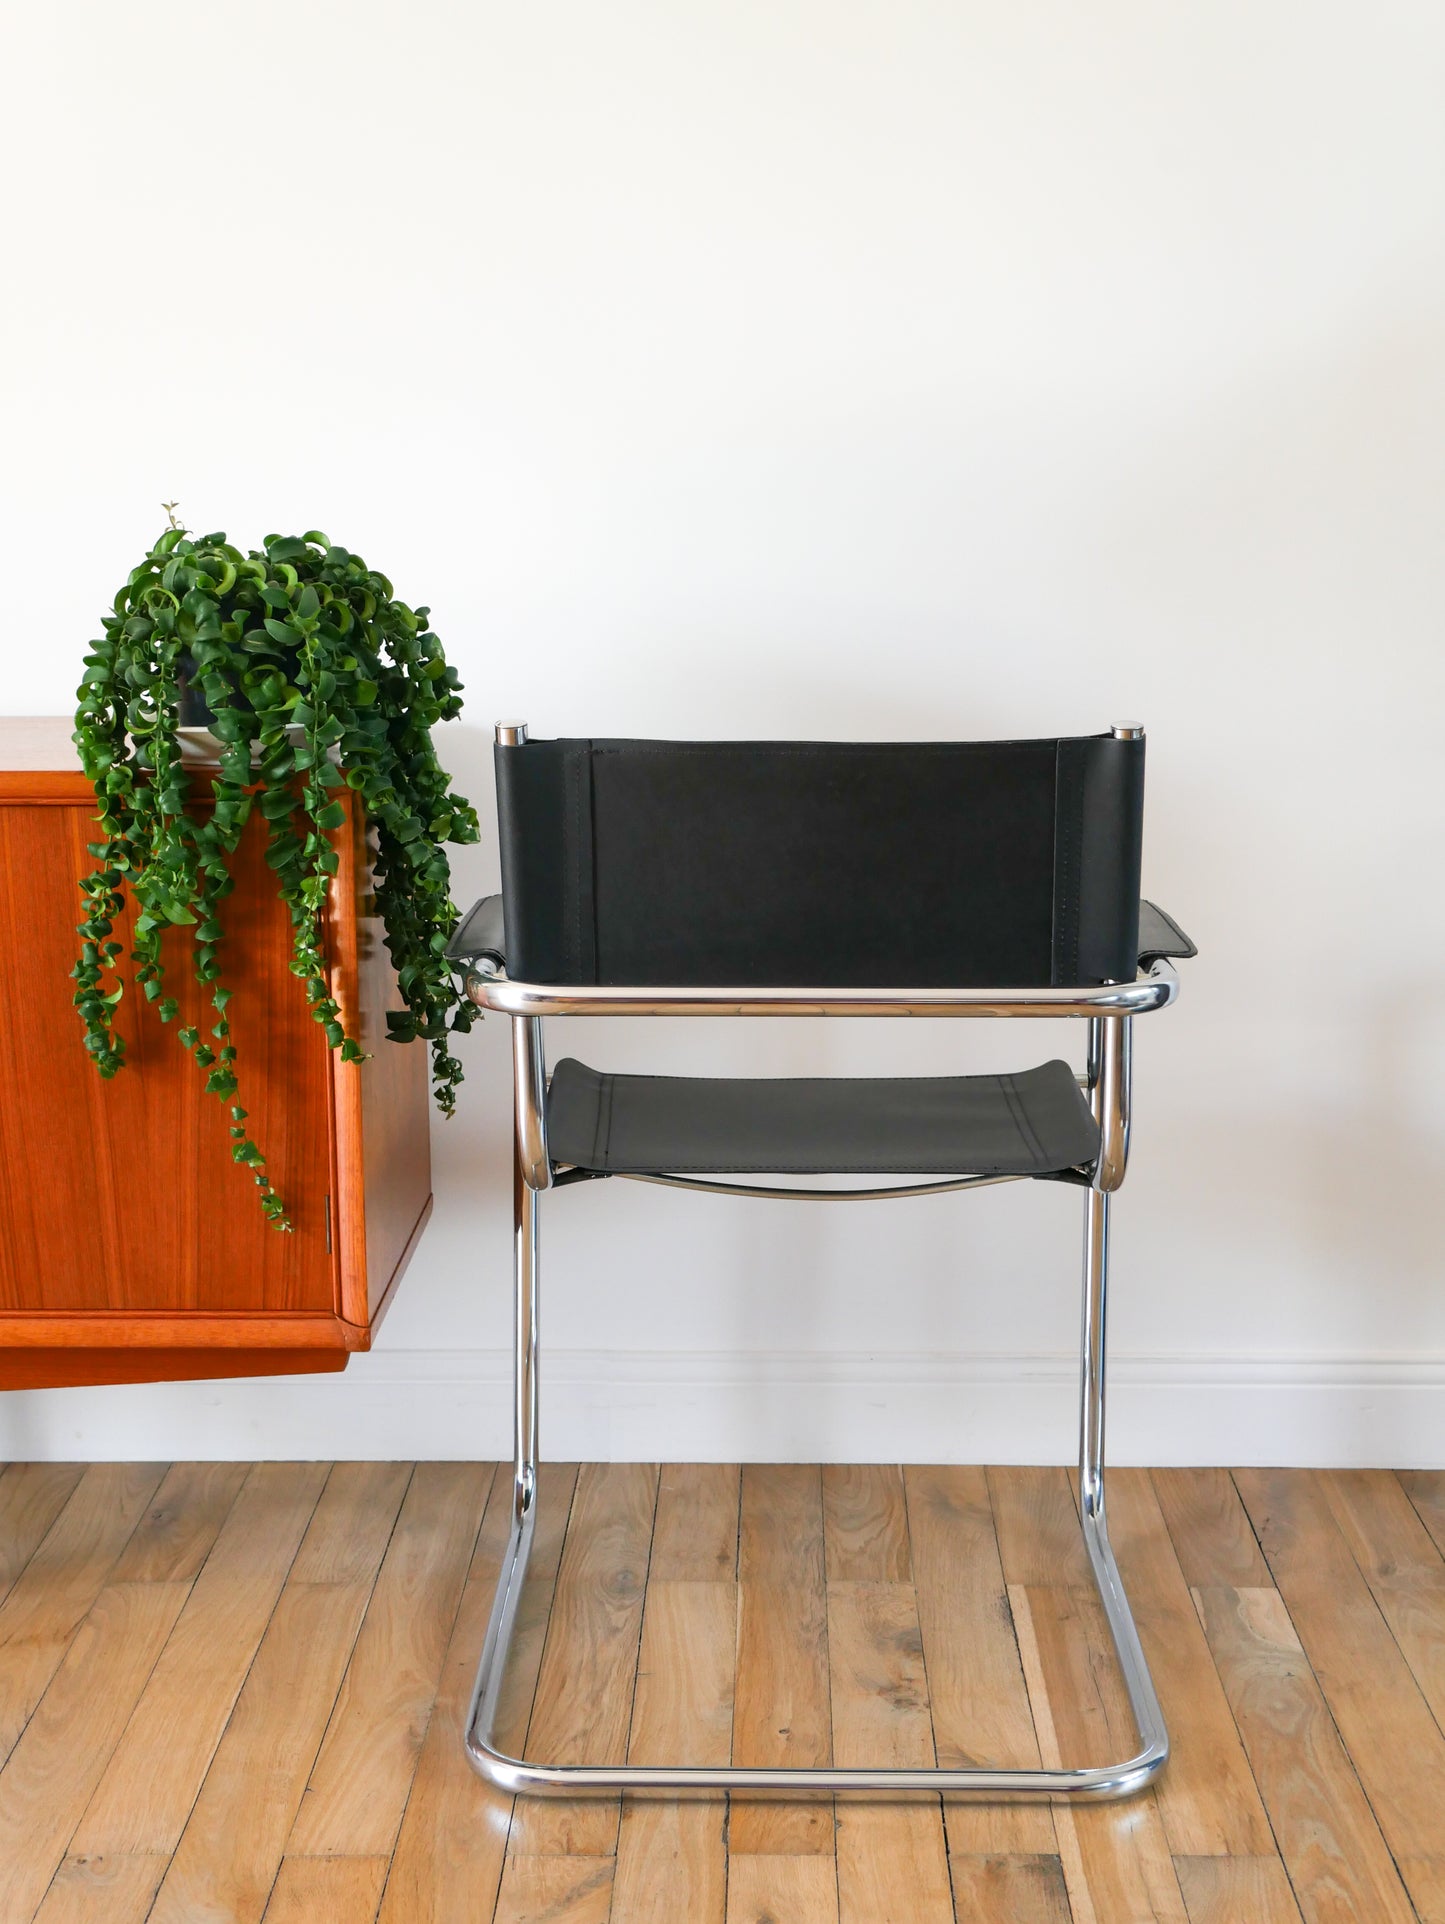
[1115,1857]
[589,1665]
[50,1774]
[766,1591]
[1236,1890]
[32,1495]
[1210,1532]
[1426,1491]
[556,1890]
[1337,1860]
[892,1859]
[354,1802]
[352,1524]
[102,1890]
[1037,1524]
[672,1852]
[61,1581]
[181,1523]
[865,1523]
[141,1803]
[1207,1796]
[976,1687]
[781,1711]
[232,1845]
[780,1526]
[1007,1889]
[695,1538]
[449,1854]
[781,1890]
[327,1890]
[1425,1880]
[1405,1571]
[1395,1745]
[683,1710]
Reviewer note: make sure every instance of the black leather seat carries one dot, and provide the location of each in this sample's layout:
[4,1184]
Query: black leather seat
[1035,1123]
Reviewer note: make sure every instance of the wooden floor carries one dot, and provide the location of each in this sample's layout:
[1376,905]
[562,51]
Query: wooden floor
[235,1693]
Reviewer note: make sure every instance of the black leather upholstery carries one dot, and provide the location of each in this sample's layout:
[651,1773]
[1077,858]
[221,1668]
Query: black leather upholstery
[829,864]
[1160,934]
[1033,1124]
[480,935]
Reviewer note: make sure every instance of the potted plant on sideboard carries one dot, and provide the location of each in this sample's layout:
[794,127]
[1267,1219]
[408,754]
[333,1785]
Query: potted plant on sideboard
[254,733]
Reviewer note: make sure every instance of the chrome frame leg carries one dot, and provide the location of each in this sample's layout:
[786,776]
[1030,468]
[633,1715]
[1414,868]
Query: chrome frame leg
[1109,1061]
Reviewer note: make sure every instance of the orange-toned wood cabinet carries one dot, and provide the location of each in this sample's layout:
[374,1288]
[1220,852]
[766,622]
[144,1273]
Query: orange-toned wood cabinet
[132,1248]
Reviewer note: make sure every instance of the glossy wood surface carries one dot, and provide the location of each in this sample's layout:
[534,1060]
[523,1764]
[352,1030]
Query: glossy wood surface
[237,1693]
[130,1243]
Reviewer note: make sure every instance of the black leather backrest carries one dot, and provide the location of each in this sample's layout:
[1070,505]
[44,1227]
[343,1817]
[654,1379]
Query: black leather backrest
[831,864]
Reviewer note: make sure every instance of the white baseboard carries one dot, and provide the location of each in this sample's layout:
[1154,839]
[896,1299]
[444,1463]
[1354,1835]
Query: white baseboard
[766,1406]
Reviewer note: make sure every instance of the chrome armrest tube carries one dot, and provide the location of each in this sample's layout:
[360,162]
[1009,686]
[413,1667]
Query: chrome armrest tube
[1154,988]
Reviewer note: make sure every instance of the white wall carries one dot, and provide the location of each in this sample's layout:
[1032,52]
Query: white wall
[854,368]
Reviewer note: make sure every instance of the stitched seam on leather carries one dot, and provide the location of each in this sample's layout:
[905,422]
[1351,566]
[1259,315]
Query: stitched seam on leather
[1021,1122]
[599,1097]
[1068,856]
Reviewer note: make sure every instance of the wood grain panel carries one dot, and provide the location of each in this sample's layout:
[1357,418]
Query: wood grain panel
[1210,1532]
[781,1710]
[1236,1890]
[81,1363]
[695,1537]
[343,1890]
[141,1803]
[1005,1889]
[233,1842]
[354,1802]
[674,1858]
[122,1194]
[1426,1491]
[32,1495]
[976,1685]
[102,1890]
[1040,1542]
[1404,1569]
[1207,1795]
[448,1858]
[52,1770]
[589,1666]
[1115,1857]
[865,1523]
[672,1852]
[555,1890]
[176,1533]
[1375,1702]
[782,1890]
[892,1859]
[1327,1835]
[61,1582]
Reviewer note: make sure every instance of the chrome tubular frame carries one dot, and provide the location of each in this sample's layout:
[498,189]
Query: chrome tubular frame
[1109,1010]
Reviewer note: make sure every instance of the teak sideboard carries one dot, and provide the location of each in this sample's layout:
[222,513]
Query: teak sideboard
[132,1247]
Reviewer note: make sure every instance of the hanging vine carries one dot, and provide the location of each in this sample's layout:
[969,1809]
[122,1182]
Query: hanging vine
[311,676]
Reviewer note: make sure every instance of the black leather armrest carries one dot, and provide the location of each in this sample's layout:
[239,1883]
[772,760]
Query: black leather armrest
[1160,934]
[480,934]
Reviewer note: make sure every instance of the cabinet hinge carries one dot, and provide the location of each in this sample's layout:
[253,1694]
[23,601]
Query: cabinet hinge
[328,1223]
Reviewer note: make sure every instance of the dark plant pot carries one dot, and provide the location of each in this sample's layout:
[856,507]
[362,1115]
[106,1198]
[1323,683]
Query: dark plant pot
[192,710]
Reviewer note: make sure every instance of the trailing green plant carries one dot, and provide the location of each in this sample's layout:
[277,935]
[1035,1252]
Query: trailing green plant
[315,677]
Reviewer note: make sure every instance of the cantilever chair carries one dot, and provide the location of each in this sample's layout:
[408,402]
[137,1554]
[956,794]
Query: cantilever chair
[830,879]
